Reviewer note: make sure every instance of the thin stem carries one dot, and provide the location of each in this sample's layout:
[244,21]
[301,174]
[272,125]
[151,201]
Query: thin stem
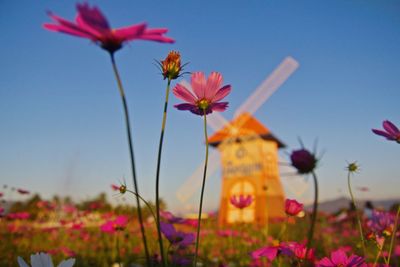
[379,253]
[130,143]
[158,174]
[393,235]
[202,190]
[357,215]
[313,216]
[145,202]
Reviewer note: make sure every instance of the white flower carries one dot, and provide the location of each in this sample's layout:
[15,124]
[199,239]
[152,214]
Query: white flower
[44,260]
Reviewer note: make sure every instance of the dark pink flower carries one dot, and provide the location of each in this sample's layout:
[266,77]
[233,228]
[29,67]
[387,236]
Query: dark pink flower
[18,216]
[1,194]
[115,187]
[1,210]
[269,252]
[391,132]
[381,223]
[303,160]
[23,191]
[111,226]
[340,259]
[90,23]
[292,207]
[241,201]
[294,249]
[180,239]
[207,94]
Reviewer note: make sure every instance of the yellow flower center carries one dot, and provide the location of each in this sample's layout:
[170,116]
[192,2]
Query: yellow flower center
[203,104]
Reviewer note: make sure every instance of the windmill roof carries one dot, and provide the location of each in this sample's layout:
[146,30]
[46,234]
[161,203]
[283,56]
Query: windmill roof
[243,125]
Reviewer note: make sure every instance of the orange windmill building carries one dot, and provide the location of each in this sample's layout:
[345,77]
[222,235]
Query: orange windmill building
[249,157]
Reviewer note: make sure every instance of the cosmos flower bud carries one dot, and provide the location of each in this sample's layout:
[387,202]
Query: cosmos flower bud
[122,189]
[292,207]
[303,160]
[171,66]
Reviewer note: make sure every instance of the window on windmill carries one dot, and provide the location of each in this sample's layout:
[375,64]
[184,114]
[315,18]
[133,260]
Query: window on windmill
[247,214]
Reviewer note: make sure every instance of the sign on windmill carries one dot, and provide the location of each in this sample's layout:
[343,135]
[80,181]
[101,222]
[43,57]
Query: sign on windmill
[248,150]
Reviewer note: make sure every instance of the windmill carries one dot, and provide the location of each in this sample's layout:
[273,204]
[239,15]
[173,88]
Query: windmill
[249,141]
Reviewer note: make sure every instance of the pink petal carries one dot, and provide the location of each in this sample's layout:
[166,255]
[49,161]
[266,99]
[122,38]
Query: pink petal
[63,29]
[221,93]
[384,134]
[157,38]
[156,34]
[130,32]
[325,262]
[93,17]
[219,106]
[99,33]
[199,84]
[338,257]
[67,27]
[184,94]
[390,128]
[214,82]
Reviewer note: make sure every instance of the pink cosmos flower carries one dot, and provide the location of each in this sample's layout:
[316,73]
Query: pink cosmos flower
[297,250]
[391,132]
[207,94]
[90,23]
[18,215]
[269,252]
[292,207]
[242,201]
[170,218]
[340,259]
[381,223]
[111,226]
[115,187]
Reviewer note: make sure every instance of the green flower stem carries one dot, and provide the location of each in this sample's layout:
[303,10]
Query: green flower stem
[357,215]
[313,216]
[158,175]
[202,190]
[379,253]
[128,131]
[393,235]
[145,202]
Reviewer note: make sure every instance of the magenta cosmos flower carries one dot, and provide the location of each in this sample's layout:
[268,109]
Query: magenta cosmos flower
[391,132]
[292,207]
[241,201]
[207,94]
[90,23]
[340,259]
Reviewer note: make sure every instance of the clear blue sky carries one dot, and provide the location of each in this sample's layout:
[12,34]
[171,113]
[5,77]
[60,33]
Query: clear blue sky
[62,129]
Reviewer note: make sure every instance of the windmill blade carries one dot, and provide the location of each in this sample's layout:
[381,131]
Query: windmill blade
[268,87]
[215,120]
[291,180]
[193,183]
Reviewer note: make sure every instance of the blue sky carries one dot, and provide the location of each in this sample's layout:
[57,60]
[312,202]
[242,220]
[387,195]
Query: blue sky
[62,129]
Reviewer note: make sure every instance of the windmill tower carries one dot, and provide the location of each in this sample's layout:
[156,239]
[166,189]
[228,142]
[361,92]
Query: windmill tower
[247,137]
[249,159]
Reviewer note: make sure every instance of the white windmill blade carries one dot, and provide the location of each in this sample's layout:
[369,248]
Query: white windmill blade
[193,183]
[215,120]
[269,86]
[292,181]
